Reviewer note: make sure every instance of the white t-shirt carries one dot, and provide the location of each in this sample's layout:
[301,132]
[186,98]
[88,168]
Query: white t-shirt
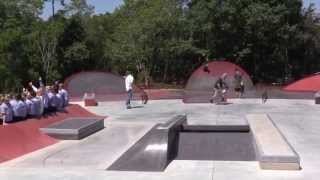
[7,112]
[129,82]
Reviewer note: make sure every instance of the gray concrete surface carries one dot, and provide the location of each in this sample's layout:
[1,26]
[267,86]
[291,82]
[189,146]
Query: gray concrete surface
[274,151]
[298,120]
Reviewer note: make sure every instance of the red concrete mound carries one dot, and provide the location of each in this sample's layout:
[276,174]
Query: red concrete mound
[102,84]
[200,85]
[308,84]
[24,137]
[202,80]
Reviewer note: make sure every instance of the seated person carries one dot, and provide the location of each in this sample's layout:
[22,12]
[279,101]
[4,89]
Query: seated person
[53,100]
[13,101]
[6,110]
[35,110]
[40,97]
[29,104]
[20,109]
[45,98]
[1,115]
[60,101]
[220,89]
[64,94]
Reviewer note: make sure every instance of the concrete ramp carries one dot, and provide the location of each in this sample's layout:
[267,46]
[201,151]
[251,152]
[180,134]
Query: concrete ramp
[155,150]
[273,150]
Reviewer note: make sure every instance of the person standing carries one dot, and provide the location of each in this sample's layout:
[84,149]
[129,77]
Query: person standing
[129,84]
[238,83]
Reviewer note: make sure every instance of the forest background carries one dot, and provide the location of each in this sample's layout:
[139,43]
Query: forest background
[160,41]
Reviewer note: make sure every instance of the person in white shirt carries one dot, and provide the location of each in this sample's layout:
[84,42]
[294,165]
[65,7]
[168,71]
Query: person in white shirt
[129,88]
[1,112]
[6,111]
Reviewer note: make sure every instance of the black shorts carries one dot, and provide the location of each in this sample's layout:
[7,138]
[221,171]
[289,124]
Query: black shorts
[237,89]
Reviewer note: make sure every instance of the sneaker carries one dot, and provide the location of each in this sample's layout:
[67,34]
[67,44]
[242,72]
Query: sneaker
[128,107]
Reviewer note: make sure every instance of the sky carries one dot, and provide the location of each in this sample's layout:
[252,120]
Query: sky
[102,6]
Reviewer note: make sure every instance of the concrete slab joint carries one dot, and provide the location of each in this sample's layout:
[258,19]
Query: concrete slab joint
[273,149]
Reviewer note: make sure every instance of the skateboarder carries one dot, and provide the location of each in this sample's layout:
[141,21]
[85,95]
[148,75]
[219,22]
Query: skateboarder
[220,89]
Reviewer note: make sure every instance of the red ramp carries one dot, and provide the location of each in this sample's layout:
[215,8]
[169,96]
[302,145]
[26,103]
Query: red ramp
[24,137]
[308,84]
[200,85]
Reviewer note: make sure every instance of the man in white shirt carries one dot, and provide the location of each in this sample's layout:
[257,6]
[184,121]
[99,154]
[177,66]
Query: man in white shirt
[129,84]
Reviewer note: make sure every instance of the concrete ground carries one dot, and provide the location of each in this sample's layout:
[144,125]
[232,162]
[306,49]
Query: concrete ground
[298,120]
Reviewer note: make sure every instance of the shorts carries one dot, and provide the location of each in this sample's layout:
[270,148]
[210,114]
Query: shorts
[238,89]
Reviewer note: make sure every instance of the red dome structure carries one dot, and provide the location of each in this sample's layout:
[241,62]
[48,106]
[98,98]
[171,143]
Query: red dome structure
[308,84]
[102,84]
[200,84]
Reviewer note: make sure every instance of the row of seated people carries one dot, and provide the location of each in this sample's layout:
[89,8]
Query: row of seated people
[33,103]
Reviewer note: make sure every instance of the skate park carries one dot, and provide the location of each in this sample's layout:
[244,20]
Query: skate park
[169,137]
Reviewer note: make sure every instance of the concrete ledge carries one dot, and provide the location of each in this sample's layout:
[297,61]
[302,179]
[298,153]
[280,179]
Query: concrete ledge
[74,128]
[273,150]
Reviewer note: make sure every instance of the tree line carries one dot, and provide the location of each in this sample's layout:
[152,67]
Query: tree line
[158,40]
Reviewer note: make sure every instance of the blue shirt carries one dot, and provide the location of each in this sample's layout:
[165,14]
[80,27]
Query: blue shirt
[20,109]
[53,100]
[13,102]
[60,101]
[29,104]
[45,99]
[35,109]
[64,94]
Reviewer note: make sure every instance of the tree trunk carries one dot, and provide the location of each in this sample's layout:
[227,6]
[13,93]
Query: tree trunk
[165,72]
[52,2]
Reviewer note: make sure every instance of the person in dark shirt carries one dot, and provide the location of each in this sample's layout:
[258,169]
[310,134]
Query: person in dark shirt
[220,89]
[238,83]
